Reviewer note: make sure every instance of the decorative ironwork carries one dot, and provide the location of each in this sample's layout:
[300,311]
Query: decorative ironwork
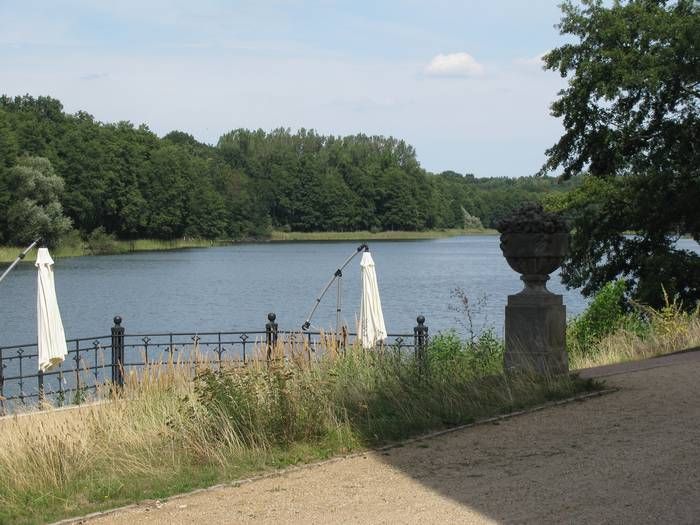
[85,369]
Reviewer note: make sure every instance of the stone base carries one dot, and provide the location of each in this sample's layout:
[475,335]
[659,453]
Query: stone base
[536,333]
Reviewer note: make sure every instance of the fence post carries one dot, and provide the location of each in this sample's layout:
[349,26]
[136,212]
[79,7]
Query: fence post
[270,334]
[420,342]
[40,380]
[118,352]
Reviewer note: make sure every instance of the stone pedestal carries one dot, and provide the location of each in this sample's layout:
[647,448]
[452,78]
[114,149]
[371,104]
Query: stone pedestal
[536,332]
[535,317]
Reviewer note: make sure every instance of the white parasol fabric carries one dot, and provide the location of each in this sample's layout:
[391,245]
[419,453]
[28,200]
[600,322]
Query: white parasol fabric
[371,323]
[51,339]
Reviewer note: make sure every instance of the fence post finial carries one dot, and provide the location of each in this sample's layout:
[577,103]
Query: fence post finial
[270,334]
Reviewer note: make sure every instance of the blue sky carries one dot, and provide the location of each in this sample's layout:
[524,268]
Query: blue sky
[461,81]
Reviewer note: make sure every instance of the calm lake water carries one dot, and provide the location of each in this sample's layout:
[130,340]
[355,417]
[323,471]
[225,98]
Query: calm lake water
[234,287]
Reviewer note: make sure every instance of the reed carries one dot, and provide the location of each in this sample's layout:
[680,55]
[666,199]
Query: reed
[377,236]
[181,425]
[78,249]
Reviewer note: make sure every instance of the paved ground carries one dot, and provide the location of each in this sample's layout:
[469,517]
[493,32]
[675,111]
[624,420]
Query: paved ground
[628,457]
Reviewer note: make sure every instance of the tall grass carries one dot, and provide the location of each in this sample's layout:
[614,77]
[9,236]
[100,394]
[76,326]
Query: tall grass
[169,432]
[608,333]
[103,246]
[375,235]
[100,243]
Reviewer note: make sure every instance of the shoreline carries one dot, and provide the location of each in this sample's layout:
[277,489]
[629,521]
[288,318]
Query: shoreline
[279,236]
[9,253]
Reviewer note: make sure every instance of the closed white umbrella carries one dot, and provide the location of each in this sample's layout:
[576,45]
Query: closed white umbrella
[51,339]
[371,324]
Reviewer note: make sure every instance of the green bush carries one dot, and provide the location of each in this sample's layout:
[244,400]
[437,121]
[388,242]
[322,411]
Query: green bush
[99,242]
[445,347]
[607,313]
[72,241]
[481,354]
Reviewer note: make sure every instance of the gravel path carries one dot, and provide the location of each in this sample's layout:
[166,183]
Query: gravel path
[629,457]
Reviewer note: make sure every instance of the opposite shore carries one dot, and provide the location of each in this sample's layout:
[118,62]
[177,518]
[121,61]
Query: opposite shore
[9,253]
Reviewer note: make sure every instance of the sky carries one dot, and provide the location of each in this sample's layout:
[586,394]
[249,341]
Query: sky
[462,81]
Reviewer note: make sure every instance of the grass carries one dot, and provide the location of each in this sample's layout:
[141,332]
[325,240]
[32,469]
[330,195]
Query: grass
[606,333]
[169,433]
[103,245]
[9,253]
[377,236]
[665,333]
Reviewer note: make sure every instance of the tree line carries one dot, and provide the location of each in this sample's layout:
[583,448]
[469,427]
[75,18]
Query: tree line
[129,182]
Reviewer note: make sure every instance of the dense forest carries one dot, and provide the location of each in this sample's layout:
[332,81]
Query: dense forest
[71,171]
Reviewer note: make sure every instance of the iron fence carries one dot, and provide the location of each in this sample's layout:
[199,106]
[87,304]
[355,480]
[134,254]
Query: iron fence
[102,362]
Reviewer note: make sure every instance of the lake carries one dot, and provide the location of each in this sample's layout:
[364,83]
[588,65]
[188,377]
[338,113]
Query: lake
[234,287]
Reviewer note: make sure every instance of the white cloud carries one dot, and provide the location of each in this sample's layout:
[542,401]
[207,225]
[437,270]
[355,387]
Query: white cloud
[535,61]
[454,65]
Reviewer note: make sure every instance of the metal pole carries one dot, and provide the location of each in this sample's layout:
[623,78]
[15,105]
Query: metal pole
[19,258]
[338,273]
[118,353]
[337,306]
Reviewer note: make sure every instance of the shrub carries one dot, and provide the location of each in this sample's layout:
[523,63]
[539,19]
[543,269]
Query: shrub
[481,354]
[611,332]
[99,242]
[72,241]
[607,313]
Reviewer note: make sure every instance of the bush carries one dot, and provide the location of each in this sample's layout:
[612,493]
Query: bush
[607,313]
[642,333]
[99,242]
[72,241]
[482,354]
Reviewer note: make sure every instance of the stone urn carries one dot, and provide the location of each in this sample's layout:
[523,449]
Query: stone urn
[534,255]
[534,244]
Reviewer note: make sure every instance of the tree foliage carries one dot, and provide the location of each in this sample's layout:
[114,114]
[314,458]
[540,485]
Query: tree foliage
[631,119]
[34,208]
[125,181]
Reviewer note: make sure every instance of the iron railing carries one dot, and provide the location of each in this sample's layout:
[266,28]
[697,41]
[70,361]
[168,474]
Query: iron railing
[102,362]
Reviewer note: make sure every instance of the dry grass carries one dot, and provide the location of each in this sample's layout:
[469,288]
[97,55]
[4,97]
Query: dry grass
[624,345]
[167,433]
[666,331]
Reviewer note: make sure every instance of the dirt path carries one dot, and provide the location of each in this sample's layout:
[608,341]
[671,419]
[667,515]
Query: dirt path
[628,457]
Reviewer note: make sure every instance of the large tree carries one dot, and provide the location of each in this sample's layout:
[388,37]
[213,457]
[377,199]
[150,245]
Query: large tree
[631,119]
[35,208]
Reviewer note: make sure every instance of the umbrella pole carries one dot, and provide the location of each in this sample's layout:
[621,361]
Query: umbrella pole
[19,258]
[338,273]
[337,306]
